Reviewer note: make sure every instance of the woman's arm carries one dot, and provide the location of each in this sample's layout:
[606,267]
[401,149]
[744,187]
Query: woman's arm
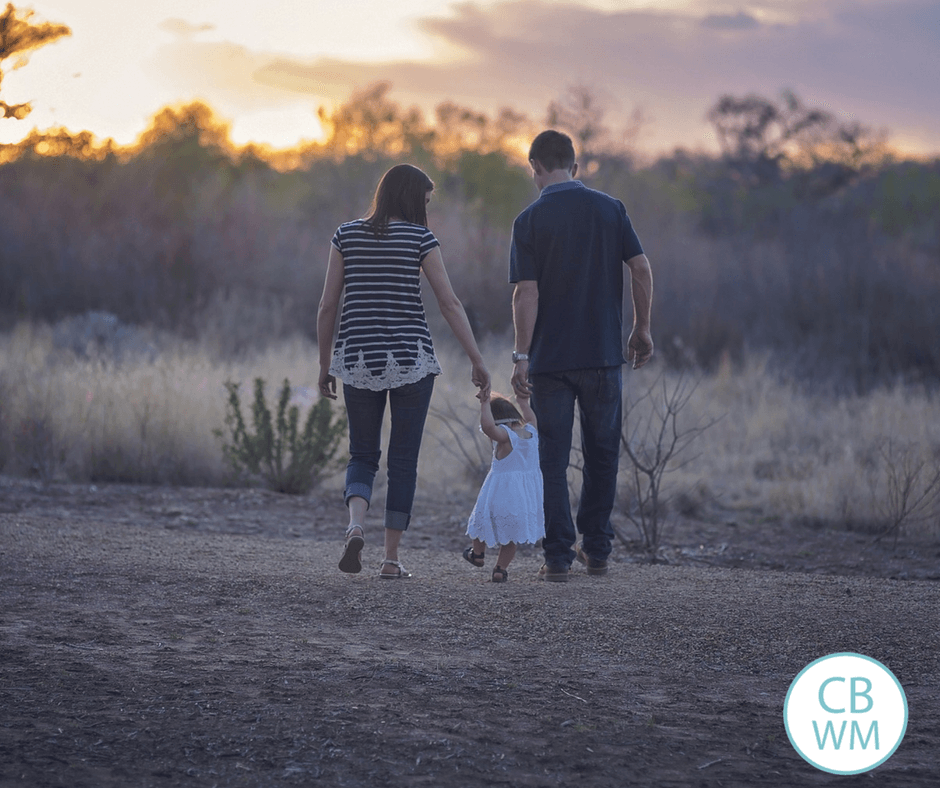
[456,316]
[326,320]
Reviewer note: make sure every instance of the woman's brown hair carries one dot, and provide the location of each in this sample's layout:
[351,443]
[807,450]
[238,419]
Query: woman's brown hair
[402,192]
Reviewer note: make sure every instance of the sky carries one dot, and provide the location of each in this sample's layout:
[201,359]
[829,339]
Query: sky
[265,67]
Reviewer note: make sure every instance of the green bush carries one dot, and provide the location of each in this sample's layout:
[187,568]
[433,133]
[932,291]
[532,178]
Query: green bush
[287,460]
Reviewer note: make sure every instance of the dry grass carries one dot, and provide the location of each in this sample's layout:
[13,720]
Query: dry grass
[773,450]
[794,455]
[143,419]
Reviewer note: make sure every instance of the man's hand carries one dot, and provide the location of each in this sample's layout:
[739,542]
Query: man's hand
[640,347]
[520,379]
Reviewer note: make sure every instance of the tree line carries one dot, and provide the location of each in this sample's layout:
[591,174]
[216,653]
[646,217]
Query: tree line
[805,237]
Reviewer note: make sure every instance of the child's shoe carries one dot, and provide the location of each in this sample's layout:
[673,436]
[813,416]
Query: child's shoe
[477,559]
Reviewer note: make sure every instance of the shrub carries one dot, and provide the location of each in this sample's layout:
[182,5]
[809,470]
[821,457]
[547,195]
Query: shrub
[287,460]
[653,440]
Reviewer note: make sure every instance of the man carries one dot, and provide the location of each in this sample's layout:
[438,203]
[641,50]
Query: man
[567,261]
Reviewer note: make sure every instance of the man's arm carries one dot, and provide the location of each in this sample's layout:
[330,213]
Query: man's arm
[525,308]
[640,344]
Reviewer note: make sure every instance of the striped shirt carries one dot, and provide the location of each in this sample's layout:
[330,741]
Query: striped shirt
[383,340]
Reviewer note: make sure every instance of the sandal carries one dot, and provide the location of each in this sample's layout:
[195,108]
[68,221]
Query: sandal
[401,574]
[500,575]
[474,558]
[351,562]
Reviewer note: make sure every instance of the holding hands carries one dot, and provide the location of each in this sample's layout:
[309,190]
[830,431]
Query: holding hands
[521,386]
[480,378]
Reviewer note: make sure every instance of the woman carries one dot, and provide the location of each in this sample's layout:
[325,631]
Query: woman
[383,349]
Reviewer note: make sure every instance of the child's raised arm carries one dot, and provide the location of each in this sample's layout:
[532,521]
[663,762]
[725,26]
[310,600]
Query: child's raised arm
[489,427]
[526,410]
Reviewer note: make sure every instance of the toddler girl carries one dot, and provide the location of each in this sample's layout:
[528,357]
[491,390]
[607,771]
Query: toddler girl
[509,508]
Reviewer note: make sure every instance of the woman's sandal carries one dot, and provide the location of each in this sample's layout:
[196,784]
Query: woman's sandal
[351,562]
[401,574]
[500,575]
[474,558]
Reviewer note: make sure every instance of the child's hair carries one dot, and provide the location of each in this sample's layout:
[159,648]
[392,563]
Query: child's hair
[504,412]
[401,192]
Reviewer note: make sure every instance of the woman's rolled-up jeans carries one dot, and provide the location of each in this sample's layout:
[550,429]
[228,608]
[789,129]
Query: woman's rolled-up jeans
[365,411]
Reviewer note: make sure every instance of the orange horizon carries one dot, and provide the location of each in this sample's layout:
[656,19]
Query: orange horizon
[86,145]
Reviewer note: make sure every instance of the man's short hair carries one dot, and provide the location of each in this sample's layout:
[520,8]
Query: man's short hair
[553,150]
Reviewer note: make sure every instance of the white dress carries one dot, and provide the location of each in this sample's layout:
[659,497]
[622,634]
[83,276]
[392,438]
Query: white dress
[509,507]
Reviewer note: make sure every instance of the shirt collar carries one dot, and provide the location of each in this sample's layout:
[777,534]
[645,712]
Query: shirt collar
[561,187]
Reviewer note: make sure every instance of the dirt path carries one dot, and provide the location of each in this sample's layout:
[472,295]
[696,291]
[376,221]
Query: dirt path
[201,638]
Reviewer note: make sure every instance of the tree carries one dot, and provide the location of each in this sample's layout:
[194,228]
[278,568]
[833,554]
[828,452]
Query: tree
[758,134]
[458,130]
[763,139]
[373,126]
[19,36]
[581,115]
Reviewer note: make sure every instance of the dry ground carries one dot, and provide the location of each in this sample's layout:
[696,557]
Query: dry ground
[183,637]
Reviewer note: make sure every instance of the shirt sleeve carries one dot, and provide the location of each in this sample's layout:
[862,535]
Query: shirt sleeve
[338,239]
[631,242]
[522,259]
[428,242]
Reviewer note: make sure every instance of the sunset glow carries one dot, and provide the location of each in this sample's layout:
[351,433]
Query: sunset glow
[266,68]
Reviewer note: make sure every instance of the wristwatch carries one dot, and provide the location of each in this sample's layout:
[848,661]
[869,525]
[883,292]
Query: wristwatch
[519,357]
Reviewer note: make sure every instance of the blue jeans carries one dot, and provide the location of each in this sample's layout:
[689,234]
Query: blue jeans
[365,411]
[598,395]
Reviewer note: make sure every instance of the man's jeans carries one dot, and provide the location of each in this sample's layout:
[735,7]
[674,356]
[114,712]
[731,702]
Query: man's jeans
[365,411]
[598,394]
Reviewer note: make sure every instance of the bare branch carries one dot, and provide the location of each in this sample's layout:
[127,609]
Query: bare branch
[652,445]
[913,489]
[465,445]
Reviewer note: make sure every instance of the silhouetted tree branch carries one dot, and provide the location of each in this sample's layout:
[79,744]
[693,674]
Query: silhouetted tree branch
[762,139]
[19,36]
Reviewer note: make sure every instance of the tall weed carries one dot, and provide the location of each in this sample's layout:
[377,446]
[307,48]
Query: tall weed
[287,459]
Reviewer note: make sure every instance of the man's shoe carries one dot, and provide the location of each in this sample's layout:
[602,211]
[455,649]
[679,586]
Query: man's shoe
[554,573]
[594,566]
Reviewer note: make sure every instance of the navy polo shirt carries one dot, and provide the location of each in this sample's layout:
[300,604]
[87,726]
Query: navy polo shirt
[573,242]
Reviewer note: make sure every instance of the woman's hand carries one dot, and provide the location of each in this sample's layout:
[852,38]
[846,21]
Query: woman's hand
[327,384]
[480,378]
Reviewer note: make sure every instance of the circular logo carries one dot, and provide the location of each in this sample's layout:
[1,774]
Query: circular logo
[845,713]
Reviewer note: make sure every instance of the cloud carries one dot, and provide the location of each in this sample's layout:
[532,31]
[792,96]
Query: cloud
[183,29]
[859,58]
[738,21]
[222,73]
